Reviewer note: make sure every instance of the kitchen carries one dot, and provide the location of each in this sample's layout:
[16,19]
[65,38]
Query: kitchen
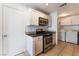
[39,29]
[18,22]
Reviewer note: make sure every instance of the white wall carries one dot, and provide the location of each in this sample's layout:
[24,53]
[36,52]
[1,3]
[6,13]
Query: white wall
[54,24]
[53,21]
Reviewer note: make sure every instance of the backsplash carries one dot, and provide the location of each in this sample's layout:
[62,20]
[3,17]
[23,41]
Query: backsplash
[33,28]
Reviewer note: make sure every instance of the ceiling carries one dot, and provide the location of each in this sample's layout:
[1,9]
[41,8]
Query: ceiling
[43,7]
[69,9]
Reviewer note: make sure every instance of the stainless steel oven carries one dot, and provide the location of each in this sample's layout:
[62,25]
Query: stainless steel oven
[47,39]
[47,42]
[43,21]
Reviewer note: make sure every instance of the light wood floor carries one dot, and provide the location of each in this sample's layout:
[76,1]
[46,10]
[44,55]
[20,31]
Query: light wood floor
[62,49]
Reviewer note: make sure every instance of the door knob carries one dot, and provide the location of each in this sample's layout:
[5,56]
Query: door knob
[4,35]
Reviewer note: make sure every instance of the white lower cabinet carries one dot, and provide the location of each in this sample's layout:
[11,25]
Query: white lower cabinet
[29,45]
[71,36]
[34,45]
[62,35]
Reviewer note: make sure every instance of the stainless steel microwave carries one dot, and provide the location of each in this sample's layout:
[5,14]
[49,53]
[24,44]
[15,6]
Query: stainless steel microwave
[43,21]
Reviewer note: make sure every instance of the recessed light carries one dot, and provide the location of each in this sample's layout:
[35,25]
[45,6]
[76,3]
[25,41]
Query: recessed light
[46,4]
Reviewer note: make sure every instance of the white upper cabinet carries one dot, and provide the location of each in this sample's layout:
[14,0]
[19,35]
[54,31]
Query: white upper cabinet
[75,20]
[71,20]
[34,16]
[65,21]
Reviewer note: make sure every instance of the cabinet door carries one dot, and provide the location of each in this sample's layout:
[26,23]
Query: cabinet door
[68,36]
[35,17]
[28,16]
[38,45]
[75,20]
[29,45]
[71,36]
[74,37]
[43,15]
[62,35]
[65,21]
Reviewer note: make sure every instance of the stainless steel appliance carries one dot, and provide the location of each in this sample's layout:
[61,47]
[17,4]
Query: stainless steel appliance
[47,42]
[47,39]
[43,21]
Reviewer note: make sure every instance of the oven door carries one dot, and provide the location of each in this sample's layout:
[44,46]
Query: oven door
[47,42]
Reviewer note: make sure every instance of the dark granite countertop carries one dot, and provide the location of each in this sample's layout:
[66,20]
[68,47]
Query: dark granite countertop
[33,34]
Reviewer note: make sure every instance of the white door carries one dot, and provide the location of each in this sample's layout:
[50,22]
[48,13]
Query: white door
[0,30]
[0,37]
[13,31]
